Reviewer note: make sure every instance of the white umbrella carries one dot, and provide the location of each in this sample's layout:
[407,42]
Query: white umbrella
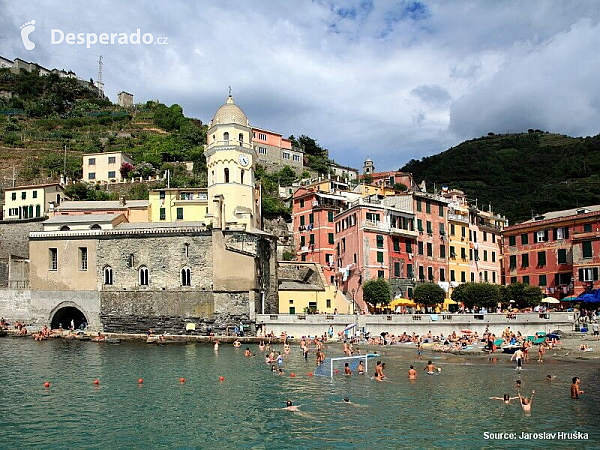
[550,300]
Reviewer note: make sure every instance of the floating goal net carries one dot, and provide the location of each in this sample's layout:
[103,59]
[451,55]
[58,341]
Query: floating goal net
[335,366]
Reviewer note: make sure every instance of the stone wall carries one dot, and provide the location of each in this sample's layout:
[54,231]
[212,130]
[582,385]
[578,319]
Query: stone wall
[15,304]
[279,228]
[14,237]
[301,272]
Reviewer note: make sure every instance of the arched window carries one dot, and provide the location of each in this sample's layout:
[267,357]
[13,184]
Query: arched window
[241,137]
[242,176]
[143,276]
[226,175]
[226,137]
[186,276]
[108,275]
[95,227]
[64,228]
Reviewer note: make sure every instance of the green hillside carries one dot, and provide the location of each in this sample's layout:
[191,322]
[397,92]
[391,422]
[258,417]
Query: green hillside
[518,174]
[42,116]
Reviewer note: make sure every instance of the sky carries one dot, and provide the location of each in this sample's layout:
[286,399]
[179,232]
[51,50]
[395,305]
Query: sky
[389,80]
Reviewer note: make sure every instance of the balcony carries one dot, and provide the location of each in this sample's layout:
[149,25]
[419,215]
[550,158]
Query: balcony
[384,227]
[458,218]
[230,143]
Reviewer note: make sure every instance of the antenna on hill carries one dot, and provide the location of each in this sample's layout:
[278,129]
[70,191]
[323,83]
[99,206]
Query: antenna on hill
[100,84]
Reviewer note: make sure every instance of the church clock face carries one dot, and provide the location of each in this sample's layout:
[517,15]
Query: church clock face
[244,160]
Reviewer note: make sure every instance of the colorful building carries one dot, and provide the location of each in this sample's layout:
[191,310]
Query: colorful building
[431,253]
[459,264]
[274,151]
[486,247]
[558,251]
[313,210]
[104,167]
[178,204]
[374,240]
[28,202]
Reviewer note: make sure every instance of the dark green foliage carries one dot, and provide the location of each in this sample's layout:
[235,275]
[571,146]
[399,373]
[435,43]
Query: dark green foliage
[138,192]
[477,294]
[315,156]
[429,294]
[377,292]
[524,295]
[288,256]
[270,182]
[519,173]
[83,191]
[399,187]
[367,179]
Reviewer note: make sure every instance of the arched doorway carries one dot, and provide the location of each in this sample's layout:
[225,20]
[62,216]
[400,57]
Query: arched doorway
[63,316]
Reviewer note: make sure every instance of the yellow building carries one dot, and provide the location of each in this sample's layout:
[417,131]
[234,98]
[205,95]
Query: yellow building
[104,167]
[459,264]
[297,296]
[178,204]
[26,202]
[234,198]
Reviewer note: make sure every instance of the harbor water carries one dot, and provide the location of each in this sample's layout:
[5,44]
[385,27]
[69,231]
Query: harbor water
[451,409]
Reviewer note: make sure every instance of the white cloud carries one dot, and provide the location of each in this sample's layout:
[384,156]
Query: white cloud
[389,80]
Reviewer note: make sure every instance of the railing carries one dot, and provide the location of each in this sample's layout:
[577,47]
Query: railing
[458,218]
[230,142]
[382,226]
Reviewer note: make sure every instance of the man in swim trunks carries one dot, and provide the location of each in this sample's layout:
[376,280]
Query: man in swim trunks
[361,368]
[430,368]
[518,356]
[412,373]
[290,407]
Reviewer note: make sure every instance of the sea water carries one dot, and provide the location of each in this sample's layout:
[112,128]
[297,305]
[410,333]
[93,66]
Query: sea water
[448,410]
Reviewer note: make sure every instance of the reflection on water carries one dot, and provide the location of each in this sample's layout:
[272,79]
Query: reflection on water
[450,409]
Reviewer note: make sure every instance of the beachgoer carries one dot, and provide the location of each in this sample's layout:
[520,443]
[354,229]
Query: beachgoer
[261,346]
[237,343]
[216,347]
[518,356]
[541,352]
[595,330]
[361,368]
[347,370]
[506,399]
[518,385]
[347,400]
[290,407]
[273,368]
[412,373]
[575,390]
[549,377]
[526,402]
[430,368]
[247,352]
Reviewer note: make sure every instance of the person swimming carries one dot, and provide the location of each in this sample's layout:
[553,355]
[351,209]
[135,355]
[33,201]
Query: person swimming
[526,402]
[506,399]
[289,406]
[412,373]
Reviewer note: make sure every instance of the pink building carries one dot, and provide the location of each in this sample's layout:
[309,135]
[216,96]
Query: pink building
[313,214]
[374,240]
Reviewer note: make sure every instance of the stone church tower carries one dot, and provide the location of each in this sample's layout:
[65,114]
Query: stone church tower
[233,197]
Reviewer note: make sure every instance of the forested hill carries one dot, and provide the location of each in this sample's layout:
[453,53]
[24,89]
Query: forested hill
[518,173]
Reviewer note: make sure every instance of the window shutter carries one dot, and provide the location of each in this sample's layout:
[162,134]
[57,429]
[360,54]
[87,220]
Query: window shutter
[580,274]
[595,272]
[545,235]
[554,233]
[556,279]
[566,232]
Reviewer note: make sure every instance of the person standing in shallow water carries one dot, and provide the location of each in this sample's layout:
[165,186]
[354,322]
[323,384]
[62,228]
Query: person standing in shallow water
[575,390]
[412,373]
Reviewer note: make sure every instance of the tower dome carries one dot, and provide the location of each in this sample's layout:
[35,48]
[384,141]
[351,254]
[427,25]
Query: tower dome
[229,113]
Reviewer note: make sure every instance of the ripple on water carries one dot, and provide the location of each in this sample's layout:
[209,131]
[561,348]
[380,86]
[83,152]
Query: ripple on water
[447,410]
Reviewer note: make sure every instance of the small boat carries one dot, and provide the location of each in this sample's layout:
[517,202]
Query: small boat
[511,348]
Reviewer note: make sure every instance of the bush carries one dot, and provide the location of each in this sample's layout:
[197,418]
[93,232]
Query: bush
[477,294]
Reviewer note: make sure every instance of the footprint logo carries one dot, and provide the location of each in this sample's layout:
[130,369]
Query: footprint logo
[26,29]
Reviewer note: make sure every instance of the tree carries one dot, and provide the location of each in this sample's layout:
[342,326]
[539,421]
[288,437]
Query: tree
[429,294]
[477,294]
[367,179]
[377,292]
[524,295]
[125,169]
[399,187]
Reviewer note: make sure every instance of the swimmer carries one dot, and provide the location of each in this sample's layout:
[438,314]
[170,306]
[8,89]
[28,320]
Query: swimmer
[549,377]
[526,402]
[216,346]
[286,349]
[261,346]
[247,352]
[267,359]
[518,385]
[273,368]
[237,343]
[506,399]
[430,368]
[290,407]
[361,368]
[412,373]
[575,390]
[281,372]
[347,370]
